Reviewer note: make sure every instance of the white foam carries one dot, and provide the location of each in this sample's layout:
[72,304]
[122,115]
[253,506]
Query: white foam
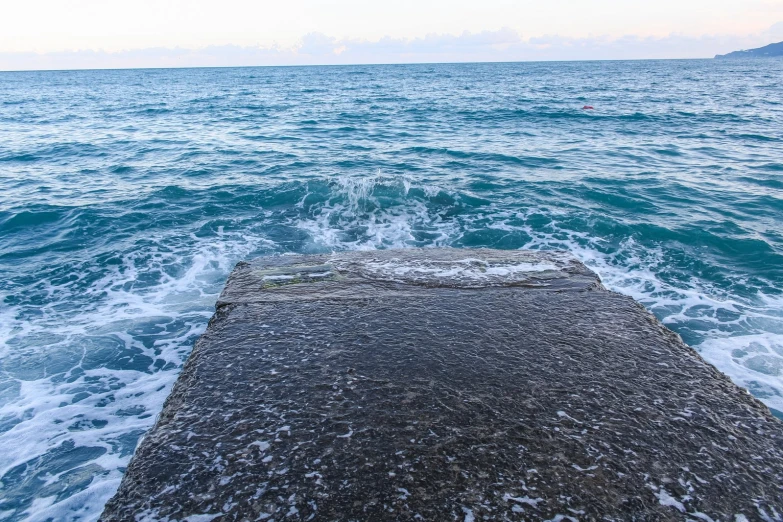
[354,218]
[278,278]
[753,361]
[665,499]
[95,405]
[468,269]
[523,500]
[207,517]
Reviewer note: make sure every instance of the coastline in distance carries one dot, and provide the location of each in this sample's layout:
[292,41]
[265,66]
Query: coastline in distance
[768,51]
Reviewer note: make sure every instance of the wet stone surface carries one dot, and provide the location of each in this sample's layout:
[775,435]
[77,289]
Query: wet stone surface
[447,385]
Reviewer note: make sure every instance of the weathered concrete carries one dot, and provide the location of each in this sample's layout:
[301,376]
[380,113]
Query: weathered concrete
[448,385]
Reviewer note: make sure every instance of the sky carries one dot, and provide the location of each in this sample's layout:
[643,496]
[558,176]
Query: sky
[120,33]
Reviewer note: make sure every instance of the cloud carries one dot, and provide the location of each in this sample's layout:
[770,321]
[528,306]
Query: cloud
[504,45]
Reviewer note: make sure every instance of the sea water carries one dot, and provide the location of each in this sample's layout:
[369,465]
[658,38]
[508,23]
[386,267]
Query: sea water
[126,197]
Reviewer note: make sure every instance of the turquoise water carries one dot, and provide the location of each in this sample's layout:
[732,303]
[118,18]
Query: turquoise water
[126,197]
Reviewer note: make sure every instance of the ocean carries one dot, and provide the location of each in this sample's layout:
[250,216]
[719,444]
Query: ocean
[127,196]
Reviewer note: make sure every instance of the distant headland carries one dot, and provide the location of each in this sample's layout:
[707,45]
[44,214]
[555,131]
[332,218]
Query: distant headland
[768,51]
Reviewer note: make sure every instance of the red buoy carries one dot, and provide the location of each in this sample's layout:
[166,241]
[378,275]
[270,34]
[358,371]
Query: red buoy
[587,108]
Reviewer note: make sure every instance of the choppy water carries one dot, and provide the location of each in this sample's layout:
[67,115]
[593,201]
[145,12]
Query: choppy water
[127,196]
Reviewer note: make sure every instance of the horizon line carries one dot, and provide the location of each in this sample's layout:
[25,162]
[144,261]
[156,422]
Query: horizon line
[374,64]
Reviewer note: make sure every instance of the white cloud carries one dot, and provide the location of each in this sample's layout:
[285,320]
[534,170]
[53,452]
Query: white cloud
[116,25]
[317,48]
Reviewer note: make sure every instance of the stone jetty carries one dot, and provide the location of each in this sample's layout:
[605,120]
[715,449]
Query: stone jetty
[446,384]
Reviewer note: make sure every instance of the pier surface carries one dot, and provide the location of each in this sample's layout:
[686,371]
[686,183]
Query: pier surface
[447,385]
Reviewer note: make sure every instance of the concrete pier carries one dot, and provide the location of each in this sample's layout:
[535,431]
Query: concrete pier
[447,385]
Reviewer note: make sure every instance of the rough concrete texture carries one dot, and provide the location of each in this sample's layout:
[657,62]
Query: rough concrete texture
[447,385]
